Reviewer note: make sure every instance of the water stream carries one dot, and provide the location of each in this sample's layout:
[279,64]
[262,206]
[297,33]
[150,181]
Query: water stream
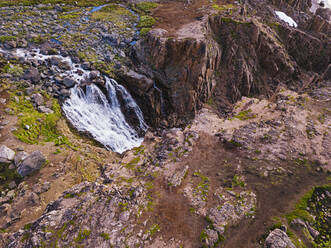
[92,110]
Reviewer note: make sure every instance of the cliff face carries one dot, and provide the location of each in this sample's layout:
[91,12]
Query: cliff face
[229,57]
[183,71]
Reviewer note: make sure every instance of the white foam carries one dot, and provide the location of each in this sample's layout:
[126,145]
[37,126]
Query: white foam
[281,15]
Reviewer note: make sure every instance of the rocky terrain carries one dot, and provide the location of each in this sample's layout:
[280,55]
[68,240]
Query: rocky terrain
[220,135]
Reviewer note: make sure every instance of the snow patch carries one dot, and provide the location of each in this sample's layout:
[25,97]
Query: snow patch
[281,15]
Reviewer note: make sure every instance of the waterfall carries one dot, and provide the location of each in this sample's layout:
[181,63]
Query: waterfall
[95,112]
[91,111]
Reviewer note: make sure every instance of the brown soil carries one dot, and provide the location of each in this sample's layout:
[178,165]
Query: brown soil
[171,15]
[276,195]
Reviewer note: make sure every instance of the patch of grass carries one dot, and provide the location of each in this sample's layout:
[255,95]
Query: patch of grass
[222,7]
[154,229]
[15,70]
[146,22]
[5,38]
[146,6]
[105,236]
[116,14]
[245,115]
[237,181]
[203,187]
[83,234]
[33,125]
[123,206]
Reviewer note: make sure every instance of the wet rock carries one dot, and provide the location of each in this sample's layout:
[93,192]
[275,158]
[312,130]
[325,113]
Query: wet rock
[278,239]
[68,82]
[65,93]
[138,83]
[32,74]
[31,163]
[6,154]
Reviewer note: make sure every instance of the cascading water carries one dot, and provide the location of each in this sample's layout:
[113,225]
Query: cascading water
[91,111]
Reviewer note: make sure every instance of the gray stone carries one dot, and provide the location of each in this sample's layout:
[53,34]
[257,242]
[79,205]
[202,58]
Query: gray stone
[6,154]
[278,239]
[65,93]
[38,99]
[45,110]
[12,185]
[31,163]
[19,157]
[68,82]
[32,74]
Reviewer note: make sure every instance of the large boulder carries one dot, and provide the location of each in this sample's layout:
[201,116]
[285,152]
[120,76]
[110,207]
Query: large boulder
[278,239]
[32,74]
[6,154]
[31,163]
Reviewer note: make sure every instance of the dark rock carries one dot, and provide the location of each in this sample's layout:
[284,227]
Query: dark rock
[138,83]
[324,13]
[68,82]
[19,157]
[32,74]
[86,66]
[31,163]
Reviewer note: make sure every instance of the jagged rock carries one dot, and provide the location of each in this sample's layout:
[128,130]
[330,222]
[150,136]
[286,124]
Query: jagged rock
[32,74]
[136,82]
[31,163]
[178,91]
[324,12]
[278,239]
[6,154]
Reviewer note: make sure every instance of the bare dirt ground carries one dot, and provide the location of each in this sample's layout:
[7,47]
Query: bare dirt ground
[171,15]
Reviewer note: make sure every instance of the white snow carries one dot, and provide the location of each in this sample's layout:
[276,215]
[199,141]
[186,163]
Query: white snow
[281,15]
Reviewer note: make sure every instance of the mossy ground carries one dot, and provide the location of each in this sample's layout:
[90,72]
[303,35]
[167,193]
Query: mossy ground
[34,126]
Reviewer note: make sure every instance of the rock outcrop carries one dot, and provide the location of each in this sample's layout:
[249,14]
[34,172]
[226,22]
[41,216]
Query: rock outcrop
[183,71]
[278,239]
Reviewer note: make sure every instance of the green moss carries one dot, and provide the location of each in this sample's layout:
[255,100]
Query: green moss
[144,31]
[146,6]
[5,38]
[154,229]
[83,234]
[245,115]
[203,187]
[27,226]
[15,70]
[237,181]
[8,175]
[146,22]
[116,14]
[222,7]
[34,125]
[123,206]
[105,236]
